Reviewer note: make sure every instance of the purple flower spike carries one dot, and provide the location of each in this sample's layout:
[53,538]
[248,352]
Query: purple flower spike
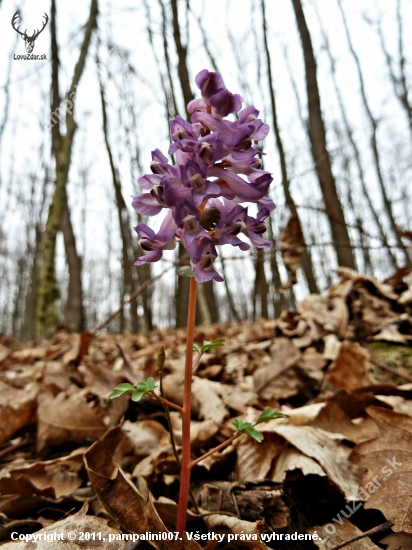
[217,167]
[156,243]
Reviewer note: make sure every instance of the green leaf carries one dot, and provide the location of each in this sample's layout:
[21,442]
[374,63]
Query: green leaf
[141,386]
[238,424]
[115,394]
[151,383]
[197,348]
[212,345]
[124,387]
[270,414]
[138,395]
[254,433]
[219,342]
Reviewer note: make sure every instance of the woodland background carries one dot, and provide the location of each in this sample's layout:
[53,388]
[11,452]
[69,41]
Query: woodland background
[331,77]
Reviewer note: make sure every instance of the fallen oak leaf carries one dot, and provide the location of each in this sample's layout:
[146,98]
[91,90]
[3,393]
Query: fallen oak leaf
[388,482]
[121,498]
[250,531]
[52,478]
[78,523]
[17,408]
[71,418]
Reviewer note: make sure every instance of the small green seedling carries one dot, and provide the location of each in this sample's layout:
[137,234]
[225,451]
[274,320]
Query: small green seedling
[249,429]
[219,342]
[137,391]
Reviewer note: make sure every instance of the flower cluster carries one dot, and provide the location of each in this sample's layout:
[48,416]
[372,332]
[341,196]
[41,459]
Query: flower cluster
[204,190]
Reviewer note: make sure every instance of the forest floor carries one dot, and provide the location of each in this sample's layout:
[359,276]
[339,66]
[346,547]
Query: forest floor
[340,465]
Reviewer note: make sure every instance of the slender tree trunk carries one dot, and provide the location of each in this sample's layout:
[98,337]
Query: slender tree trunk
[74,315]
[356,152]
[399,83]
[47,318]
[229,296]
[261,288]
[317,136]
[123,218]
[375,148]
[279,302]
[306,259]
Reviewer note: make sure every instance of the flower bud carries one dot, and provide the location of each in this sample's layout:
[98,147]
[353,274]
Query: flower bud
[161,358]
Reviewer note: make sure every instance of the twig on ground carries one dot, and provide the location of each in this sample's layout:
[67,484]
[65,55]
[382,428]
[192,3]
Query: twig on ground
[390,369]
[384,527]
[16,446]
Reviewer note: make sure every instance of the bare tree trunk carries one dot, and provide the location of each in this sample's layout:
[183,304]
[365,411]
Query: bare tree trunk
[279,302]
[317,135]
[47,318]
[399,83]
[306,259]
[229,296]
[374,145]
[261,287]
[182,292]
[74,314]
[123,218]
[356,152]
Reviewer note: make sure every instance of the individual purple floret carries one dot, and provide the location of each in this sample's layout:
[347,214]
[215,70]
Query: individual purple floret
[156,243]
[217,168]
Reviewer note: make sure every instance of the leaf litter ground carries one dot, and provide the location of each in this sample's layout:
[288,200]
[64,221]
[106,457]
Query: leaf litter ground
[341,464]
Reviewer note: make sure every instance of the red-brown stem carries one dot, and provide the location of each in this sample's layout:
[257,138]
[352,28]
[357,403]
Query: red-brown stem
[187,398]
[215,449]
[167,402]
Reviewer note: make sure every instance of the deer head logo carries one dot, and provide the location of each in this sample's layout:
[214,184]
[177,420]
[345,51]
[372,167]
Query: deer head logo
[28,40]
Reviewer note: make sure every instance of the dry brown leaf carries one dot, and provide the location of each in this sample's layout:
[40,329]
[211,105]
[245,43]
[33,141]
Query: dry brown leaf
[332,347]
[121,498]
[343,531]
[291,459]
[167,510]
[397,541]
[77,523]
[226,524]
[348,274]
[398,403]
[52,478]
[145,436]
[388,459]
[292,246]
[319,445]
[350,370]
[17,408]
[209,403]
[284,355]
[100,381]
[329,416]
[72,418]
[254,459]
[331,313]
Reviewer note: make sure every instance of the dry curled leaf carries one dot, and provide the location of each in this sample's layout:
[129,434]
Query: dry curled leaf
[17,408]
[388,458]
[121,498]
[96,533]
